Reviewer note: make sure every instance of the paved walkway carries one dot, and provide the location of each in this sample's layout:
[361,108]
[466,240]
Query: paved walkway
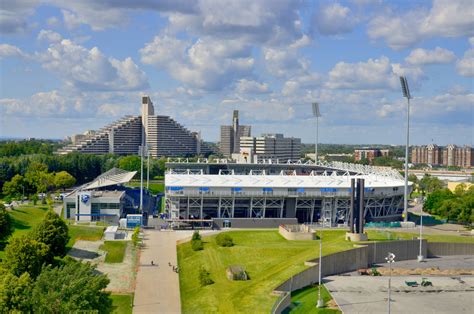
[157,287]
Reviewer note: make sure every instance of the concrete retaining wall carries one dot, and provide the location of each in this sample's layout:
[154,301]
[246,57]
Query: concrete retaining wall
[254,222]
[361,257]
[403,250]
[443,249]
[291,233]
[282,303]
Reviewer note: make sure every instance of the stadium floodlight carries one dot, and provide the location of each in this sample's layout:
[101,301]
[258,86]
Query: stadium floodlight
[317,114]
[406,94]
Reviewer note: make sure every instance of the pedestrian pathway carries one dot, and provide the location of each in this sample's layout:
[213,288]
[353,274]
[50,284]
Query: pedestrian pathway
[157,286]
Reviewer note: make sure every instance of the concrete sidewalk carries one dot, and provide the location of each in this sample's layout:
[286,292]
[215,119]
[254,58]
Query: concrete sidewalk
[157,287]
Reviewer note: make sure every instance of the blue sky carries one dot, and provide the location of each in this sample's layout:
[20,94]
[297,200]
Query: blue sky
[71,66]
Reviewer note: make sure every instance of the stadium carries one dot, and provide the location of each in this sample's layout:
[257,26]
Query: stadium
[269,193]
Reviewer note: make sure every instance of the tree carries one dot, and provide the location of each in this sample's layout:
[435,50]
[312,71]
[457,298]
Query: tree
[15,293]
[70,288]
[25,255]
[429,184]
[53,232]
[14,187]
[64,180]
[130,163]
[225,240]
[136,236]
[5,223]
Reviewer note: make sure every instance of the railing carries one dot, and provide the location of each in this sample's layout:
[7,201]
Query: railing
[256,193]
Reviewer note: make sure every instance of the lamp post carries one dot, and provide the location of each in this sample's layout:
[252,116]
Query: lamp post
[316,114]
[390,259]
[148,167]
[420,256]
[406,94]
[320,300]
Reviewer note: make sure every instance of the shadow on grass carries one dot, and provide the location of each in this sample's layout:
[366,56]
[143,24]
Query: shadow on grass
[20,225]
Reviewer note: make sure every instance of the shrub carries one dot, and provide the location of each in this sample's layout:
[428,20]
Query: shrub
[223,239]
[197,245]
[205,277]
[5,223]
[136,236]
[196,236]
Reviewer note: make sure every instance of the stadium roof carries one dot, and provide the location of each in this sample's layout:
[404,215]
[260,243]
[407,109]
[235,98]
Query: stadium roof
[277,181]
[112,177]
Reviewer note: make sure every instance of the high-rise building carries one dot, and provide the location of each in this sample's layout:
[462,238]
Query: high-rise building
[165,137]
[430,154]
[449,156]
[231,134]
[273,146]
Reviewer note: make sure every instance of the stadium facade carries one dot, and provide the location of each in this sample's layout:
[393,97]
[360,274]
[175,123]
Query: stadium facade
[306,192]
[163,136]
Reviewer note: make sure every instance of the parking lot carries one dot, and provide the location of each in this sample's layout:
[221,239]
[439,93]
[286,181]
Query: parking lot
[366,294]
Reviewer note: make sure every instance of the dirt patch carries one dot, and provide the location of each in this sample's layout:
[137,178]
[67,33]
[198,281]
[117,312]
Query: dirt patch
[425,271]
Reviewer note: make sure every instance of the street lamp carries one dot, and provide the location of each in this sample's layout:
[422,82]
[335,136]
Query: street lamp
[420,256]
[406,94]
[316,114]
[390,259]
[320,300]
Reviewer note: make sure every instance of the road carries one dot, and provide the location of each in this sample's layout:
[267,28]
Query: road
[157,286]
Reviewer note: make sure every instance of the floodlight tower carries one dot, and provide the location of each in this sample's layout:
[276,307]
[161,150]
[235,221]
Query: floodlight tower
[406,94]
[316,114]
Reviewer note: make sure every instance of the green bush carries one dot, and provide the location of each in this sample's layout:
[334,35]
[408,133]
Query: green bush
[205,277]
[196,236]
[223,239]
[197,245]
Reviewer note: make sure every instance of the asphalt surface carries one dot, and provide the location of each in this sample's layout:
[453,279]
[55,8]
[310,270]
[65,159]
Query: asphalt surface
[365,294]
[443,262]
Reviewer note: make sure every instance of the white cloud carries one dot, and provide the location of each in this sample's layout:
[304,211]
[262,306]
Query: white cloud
[439,55]
[447,18]
[208,63]
[48,36]
[300,84]
[334,19]
[7,51]
[465,66]
[373,74]
[251,87]
[13,14]
[91,69]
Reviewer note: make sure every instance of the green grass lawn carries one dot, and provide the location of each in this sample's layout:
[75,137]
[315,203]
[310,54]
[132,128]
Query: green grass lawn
[304,301]
[268,258]
[115,251]
[25,218]
[155,187]
[87,233]
[375,235]
[121,303]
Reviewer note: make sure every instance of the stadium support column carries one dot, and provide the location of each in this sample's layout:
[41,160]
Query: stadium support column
[361,205]
[351,218]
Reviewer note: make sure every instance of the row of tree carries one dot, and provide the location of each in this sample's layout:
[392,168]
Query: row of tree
[28,147]
[83,167]
[35,277]
[455,206]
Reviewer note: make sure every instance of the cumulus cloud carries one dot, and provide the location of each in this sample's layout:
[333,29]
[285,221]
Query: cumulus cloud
[90,69]
[465,66]
[13,14]
[245,86]
[439,55]
[207,64]
[447,18]
[373,74]
[334,19]
[7,51]
[48,36]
